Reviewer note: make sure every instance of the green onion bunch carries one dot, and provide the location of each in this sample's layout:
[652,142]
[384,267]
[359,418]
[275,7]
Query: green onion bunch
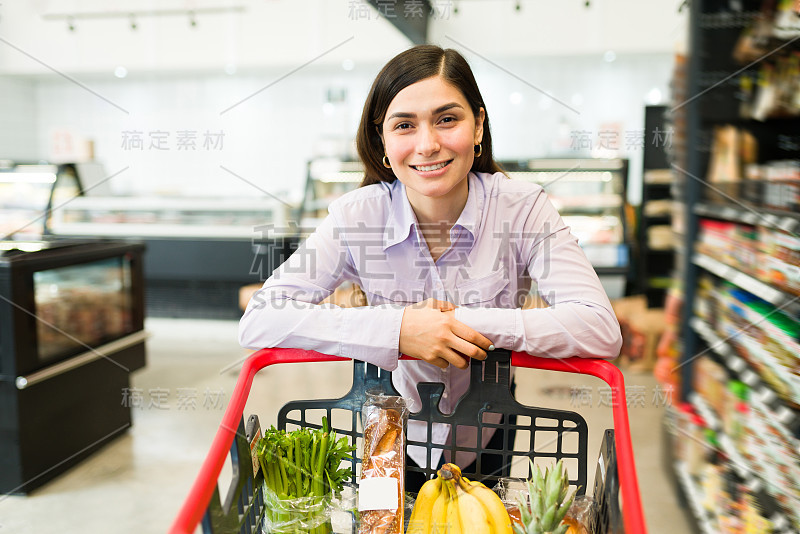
[303,466]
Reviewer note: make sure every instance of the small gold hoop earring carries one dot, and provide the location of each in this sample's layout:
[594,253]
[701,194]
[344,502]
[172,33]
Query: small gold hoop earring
[478,150]
[386,162]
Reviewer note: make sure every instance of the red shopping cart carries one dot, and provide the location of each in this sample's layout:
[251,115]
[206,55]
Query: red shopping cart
[616,489]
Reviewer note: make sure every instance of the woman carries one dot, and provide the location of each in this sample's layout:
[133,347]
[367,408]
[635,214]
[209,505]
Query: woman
[444,246]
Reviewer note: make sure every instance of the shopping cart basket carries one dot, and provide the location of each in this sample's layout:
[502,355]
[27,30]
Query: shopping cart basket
[242,509]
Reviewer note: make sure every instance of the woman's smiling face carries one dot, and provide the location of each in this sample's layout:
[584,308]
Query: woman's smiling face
[429,135]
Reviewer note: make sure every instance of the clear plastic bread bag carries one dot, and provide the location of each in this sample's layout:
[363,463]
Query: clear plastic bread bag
[383,464]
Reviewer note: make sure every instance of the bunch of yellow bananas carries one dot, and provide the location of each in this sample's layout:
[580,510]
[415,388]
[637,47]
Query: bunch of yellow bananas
[454,504]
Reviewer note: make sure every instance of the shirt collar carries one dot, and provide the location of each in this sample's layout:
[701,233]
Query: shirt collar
[470,215]
[402,218]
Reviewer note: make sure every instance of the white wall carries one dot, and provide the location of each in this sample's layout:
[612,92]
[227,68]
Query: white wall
[269,137]
[18,120]
[267,140]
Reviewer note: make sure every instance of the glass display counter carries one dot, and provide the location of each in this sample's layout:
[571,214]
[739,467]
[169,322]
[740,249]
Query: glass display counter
[200,251]
[71,332]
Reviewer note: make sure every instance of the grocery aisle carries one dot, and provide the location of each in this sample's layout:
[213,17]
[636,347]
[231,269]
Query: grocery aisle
[137,483]
[735,175]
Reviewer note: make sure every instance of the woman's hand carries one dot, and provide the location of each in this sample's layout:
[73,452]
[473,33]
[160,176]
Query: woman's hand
[430,332]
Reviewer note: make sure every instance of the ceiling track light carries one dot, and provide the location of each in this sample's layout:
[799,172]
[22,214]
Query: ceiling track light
[131,16]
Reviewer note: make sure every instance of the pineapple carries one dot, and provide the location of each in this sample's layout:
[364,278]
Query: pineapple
[548,502]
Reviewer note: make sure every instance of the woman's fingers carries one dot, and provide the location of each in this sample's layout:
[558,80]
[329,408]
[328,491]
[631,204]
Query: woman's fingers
[441,305]
[466,349]
[441,363]
[472,337]
[430,332]
[444,306]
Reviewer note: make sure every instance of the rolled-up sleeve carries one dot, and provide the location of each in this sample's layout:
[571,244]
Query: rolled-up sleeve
[286,312]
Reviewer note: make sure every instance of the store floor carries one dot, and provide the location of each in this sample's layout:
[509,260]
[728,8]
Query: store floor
[137,483]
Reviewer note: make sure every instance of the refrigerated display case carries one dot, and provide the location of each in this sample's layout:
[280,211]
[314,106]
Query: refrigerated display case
[25,192]
[71,332]
[590,195]
[200,251]
[327,179]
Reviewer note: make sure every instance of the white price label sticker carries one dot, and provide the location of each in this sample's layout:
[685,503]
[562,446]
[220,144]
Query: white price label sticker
[378,493]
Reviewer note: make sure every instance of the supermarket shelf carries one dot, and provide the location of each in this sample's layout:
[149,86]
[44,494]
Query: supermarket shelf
[786,419]
[611,270]
[727,20]
[737,460]
[785,301]
[786,221]
[706,521]
[660,282]
[653,220]
[752,478]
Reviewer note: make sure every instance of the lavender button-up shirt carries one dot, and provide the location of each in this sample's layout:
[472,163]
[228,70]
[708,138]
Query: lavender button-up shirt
[508,236]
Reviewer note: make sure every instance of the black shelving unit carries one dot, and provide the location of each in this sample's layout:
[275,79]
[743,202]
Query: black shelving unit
[656,263]
[715,99]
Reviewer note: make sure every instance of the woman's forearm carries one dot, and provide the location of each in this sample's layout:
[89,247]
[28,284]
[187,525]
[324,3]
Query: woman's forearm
[367,333]
[561,331]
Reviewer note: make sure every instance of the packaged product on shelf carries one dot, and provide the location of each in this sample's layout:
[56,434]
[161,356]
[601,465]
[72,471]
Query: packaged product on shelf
[695,445]
[751,514]
[745,251]
[724,165]
[383,464]
[704,304]
[683,428]
[660,237]
[716,239]
[712,472]
[645,330]
[709,381]
[734,414]
[780,259]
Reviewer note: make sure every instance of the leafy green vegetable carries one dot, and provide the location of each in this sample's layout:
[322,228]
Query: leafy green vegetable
[304,463]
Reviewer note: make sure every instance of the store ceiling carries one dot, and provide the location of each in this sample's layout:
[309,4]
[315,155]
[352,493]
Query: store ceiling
[93,36]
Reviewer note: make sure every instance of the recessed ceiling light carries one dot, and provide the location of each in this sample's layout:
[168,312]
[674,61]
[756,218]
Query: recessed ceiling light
[609,56]
[120,72]
[653,96]
[348,64]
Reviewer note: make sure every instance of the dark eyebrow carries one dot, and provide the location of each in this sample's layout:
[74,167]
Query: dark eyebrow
[440,109]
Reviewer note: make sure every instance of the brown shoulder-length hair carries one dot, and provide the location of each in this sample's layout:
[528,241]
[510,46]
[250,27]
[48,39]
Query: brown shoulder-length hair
[409,67]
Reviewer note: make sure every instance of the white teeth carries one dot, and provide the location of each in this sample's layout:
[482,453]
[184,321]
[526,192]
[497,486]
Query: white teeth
[427,168]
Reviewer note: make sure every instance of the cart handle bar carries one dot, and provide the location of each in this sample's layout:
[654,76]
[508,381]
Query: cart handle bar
[200,494]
